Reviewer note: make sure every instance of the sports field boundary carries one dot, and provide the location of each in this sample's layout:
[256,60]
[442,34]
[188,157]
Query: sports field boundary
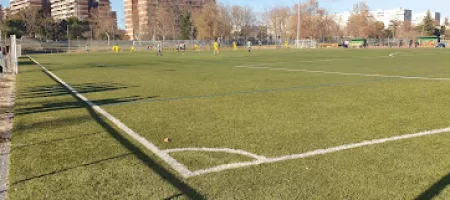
[258,159]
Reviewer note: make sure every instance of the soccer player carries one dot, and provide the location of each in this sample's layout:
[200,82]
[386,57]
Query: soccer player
[216,48]
[87,48]
[234,46]
[196,48]
[183,47]
[159,50]
[249,46]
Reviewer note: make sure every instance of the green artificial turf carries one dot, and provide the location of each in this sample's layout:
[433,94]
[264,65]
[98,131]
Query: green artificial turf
[64,150]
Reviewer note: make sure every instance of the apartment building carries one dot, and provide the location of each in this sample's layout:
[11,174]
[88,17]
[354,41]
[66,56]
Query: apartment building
[62,9]
[17,5]
[140,15]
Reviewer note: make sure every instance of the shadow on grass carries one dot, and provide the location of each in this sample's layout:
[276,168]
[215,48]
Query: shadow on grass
[58,90]
[25,62]
[70,168]
[435,189]
[48,107]
[51,122]
[20,146]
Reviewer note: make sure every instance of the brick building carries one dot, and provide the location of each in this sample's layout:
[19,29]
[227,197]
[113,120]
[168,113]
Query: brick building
[140,15]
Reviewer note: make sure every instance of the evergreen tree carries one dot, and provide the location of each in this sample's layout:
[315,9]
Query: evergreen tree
[185,28]
[428,25]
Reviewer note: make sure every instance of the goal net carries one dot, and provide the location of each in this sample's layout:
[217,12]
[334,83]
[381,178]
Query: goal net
[144,45]
[300,44]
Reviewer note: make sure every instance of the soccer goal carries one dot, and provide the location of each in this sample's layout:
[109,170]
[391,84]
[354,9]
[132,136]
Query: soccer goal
[144,45]
[306,44]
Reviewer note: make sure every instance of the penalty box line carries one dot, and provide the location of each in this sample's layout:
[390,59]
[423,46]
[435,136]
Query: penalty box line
[177,166]
[344,73]
[317,152]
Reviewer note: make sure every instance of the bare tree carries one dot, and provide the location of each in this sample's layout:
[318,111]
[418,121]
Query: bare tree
[241,16]
[224,20]
[277,19]
[359,22]
[30,16]
[103,23]
[315,22]
[206,21]
[166,21]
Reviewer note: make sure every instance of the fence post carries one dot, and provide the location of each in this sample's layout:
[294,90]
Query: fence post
[13,52]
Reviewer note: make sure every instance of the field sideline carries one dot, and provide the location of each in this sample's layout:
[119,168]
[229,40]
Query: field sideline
[272,124]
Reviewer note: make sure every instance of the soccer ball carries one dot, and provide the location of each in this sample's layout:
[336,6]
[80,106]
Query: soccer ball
[166,140]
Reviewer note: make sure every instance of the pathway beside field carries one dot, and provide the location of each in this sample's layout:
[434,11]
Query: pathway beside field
[7,95]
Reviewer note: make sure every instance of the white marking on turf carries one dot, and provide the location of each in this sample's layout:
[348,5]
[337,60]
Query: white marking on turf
[317,152]
[226,150]
[394,54]
[180,168]
[346,73]
[313,61]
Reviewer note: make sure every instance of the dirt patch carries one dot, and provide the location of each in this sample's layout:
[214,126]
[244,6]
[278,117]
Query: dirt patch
[7,94]
[7,97]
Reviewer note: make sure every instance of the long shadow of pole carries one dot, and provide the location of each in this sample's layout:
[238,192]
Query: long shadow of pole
[187,190]
[435,189]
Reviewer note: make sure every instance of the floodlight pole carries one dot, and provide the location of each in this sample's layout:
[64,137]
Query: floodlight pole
[298,23]
[68,39]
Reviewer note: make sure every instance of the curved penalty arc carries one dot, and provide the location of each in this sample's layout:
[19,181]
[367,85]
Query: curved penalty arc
[225,150]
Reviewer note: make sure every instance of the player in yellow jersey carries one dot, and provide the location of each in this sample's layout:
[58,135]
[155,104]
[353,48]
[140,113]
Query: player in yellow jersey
[286,43]
[234,46]
[216,48]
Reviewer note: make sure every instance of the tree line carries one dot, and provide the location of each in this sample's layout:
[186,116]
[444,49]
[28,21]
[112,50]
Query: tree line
[225,21]
[34,22]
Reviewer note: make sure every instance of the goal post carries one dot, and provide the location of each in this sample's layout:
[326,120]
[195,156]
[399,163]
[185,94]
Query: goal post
[301,44]
[144,45]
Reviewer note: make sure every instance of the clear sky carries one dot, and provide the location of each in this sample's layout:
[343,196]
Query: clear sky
[331,5]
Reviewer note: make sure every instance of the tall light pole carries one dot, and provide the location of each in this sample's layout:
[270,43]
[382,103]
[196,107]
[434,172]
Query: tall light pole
[298,24]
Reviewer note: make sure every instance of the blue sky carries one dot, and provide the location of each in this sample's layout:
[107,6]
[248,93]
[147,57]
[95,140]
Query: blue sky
[331,5]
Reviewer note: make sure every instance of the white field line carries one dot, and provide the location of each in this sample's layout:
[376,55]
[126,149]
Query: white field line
[180,168]
[345,73]
[317,152]
[226,150]
[322,60]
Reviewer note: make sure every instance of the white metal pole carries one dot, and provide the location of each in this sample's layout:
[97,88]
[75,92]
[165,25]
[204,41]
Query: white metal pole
[68,39]
[14,54]
[298,24]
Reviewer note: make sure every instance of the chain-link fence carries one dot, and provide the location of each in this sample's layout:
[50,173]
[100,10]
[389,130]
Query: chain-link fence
[36,46]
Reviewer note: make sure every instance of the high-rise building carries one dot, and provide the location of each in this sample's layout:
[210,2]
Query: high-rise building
[62,9]
[386,16]
[2,13]
[437,18]
[17,5]
[140,15]
[397,14]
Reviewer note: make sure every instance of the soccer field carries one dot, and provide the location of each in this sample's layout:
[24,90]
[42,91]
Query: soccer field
[271,124]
